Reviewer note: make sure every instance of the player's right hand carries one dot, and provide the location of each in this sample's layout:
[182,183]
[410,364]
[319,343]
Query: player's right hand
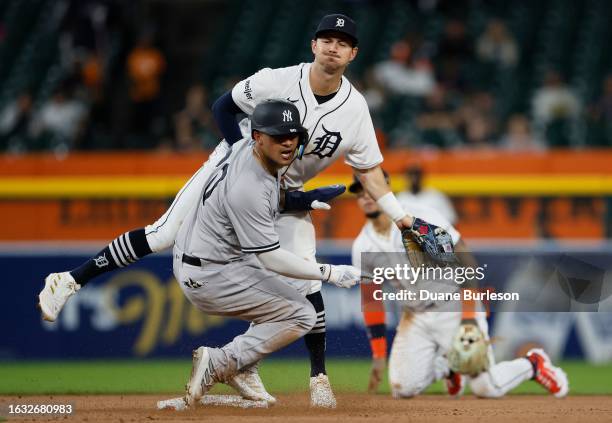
[377,372]
[342,275]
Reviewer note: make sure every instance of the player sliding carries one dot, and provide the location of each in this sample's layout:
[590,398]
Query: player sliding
[338,122]
[428,332]
[227,247]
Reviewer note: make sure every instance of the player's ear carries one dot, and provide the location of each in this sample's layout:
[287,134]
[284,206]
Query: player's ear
[313,43]
[353,53]
[256,135]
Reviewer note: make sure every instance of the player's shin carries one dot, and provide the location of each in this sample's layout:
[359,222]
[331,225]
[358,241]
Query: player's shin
[122,251]
[501,378]
[321,394]
[315,339]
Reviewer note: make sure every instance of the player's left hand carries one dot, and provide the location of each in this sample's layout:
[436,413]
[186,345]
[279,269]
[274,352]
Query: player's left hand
[316,199]
[432,239]
[377,372]
[341,275]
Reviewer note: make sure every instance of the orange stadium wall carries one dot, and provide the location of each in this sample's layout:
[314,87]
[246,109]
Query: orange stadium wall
[558,194]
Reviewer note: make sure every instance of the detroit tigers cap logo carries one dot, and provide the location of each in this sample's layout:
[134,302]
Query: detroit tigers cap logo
[338,23]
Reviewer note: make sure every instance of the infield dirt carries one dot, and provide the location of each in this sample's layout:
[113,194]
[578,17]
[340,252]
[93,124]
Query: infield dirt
[351,407]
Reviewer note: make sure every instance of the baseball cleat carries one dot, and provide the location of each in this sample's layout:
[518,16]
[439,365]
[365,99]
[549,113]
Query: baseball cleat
[321,394]
[550,377]
[58,288]
[455,384]
[250,386]
[202,377]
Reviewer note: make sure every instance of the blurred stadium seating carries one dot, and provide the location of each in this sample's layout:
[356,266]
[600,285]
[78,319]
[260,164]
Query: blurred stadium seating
[564,35]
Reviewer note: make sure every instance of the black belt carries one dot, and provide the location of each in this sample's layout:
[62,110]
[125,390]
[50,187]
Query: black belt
[195,261]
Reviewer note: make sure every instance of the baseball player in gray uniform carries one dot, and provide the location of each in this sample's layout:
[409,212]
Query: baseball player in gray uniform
[339,125]
[227,255]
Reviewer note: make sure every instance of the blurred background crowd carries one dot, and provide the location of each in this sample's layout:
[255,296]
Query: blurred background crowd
[116,75]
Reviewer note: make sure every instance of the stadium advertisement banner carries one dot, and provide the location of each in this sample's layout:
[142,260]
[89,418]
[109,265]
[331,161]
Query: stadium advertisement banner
[136,312]
[142,312]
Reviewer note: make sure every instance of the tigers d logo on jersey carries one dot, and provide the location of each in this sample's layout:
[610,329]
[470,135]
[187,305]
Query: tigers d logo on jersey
[326,144]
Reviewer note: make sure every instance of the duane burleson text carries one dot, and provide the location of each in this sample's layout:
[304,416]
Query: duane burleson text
[464,295]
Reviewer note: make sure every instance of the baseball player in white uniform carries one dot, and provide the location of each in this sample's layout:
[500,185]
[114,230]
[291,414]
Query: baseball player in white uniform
[227,251]
[338,123]
[426,331]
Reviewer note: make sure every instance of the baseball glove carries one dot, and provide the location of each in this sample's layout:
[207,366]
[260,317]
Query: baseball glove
[469,352]
[431,239]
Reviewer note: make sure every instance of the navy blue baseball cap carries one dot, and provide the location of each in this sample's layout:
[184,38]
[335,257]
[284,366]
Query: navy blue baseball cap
[338,23]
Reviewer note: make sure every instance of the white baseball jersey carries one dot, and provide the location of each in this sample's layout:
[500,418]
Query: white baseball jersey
[341,126]
[236,212]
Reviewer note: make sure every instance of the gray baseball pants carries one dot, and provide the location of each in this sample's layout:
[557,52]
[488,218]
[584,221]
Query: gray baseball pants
[278,313]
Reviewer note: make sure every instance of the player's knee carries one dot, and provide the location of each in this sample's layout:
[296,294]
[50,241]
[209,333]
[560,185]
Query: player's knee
[407,389]
[483,387]
[306,317]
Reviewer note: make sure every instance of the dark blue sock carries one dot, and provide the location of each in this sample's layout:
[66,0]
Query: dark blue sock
[315,339]
[122,251]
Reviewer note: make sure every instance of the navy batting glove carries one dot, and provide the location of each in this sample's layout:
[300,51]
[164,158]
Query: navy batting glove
[313,199]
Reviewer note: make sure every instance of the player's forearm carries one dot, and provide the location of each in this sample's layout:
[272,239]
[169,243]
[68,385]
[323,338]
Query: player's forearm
[288,264]
[225,112]
[374,319]
[374,183]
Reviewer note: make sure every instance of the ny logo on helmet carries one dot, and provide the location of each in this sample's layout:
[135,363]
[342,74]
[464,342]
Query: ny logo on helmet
[326,144]
[287,116]
[339,22]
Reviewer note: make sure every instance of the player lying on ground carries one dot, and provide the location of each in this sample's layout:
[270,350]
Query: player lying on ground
[223,242]
[426,334]
[338,123]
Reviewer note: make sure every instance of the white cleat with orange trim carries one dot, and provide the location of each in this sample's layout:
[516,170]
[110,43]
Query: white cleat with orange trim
[550,377]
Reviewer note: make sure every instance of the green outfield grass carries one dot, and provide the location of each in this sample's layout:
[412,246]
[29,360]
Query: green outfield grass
[169,376]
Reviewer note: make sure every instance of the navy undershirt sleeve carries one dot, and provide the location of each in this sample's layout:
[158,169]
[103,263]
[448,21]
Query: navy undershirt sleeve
[225,112]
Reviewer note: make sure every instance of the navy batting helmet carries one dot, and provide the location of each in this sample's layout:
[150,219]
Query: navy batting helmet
[279,117]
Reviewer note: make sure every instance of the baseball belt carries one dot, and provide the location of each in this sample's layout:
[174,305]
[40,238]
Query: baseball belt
[196,261]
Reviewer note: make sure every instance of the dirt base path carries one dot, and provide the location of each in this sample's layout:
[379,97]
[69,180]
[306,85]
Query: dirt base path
[351,407]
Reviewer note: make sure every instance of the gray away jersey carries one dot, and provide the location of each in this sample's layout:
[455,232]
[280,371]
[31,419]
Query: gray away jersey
[236,211]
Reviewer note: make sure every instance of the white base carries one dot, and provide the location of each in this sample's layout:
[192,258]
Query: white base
[179,404]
